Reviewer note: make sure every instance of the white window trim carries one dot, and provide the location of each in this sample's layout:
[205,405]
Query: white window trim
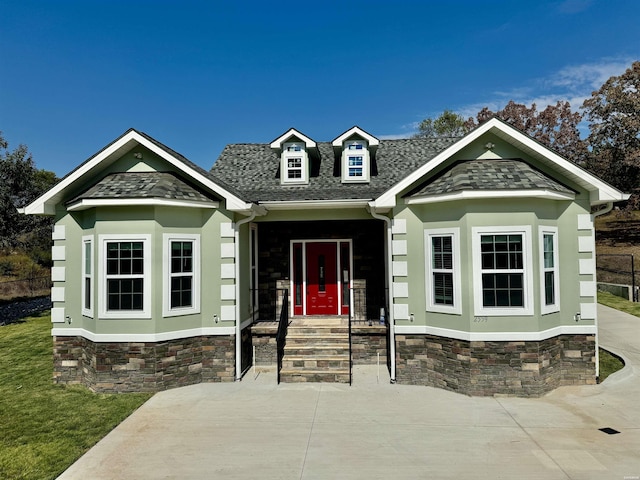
[88,312]
[554,307]
[284,164]
[364,153]
[102,276]
[454,233]
[479,309]
[167,238]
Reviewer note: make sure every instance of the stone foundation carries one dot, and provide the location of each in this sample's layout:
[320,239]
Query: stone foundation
[525,369]
[143,366]
[367,342]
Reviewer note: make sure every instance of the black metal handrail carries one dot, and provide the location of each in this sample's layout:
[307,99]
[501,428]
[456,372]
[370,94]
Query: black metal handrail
[281,336]
[350,349]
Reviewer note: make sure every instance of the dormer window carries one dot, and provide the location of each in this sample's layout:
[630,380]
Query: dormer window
[295,164]
[356,150]
[355,161]
[294,150]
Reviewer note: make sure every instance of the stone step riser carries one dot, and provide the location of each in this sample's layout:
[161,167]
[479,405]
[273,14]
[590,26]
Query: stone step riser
[315,377]
[314,353]
[318,330]
[319,344]
[315,364]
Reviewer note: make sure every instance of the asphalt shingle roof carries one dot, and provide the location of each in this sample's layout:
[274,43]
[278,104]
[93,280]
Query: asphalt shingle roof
[124,185]
[253,170]
[511,174]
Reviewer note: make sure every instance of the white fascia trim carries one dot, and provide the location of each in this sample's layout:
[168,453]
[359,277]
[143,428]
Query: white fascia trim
[315,204]
[141,337]
[597,186]
[482,194]
[128,202]
[371,140]
[292,132]
[496,336]
[44,205]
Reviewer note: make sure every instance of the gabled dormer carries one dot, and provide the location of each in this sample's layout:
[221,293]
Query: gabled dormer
[294,150]
[356,150]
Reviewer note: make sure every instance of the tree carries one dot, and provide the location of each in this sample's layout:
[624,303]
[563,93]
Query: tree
[448,124]
[20,183]
[614,123]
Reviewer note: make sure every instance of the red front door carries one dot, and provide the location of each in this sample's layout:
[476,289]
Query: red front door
[322,280]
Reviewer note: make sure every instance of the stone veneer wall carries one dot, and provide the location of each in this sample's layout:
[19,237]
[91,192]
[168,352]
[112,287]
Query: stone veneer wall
[526,369]
[367,342]
[143,366]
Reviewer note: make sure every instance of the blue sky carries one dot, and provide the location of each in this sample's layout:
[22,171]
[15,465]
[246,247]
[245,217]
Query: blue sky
[197,75]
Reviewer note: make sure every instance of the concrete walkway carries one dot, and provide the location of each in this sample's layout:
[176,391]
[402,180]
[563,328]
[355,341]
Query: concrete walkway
[257,429]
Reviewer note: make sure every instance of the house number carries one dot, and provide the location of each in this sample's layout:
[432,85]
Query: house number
[479,319]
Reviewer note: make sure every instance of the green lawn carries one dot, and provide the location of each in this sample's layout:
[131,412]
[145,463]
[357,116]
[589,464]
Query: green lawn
[44,427]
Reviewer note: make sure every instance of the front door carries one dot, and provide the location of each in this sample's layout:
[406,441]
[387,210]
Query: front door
[322,278]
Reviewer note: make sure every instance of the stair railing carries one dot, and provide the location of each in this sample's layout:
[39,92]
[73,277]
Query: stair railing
[349,322]
[281,336]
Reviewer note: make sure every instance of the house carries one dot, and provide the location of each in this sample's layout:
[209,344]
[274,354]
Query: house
[464,263]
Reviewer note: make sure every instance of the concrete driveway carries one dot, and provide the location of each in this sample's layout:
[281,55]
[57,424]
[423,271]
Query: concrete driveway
[257,429]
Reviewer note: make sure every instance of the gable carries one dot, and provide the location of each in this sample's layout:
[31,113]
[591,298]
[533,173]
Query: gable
[132,152]
[481,143]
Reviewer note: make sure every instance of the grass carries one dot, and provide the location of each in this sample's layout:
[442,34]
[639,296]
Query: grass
[44,427]
[619,303]
[609,363]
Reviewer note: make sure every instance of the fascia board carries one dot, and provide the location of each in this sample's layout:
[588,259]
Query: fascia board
[315,204]
[43,204]
[87,203]
[506,132]
[483,194]
[277,143]
[233,203]
[388,198]
[603,191]
[371,140]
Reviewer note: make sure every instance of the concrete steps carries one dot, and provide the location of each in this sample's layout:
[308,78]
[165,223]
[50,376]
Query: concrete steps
[316,350]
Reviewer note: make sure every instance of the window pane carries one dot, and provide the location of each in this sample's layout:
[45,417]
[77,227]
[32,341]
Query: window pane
[181,292]
[87,258]
[87,293]
[355,172]
[125,294]
[294,162]
[549,289]
[503,290]
[443,288]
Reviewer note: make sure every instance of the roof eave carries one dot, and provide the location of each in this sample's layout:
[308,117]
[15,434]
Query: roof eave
[489,194]
[315,204]
[87,203]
